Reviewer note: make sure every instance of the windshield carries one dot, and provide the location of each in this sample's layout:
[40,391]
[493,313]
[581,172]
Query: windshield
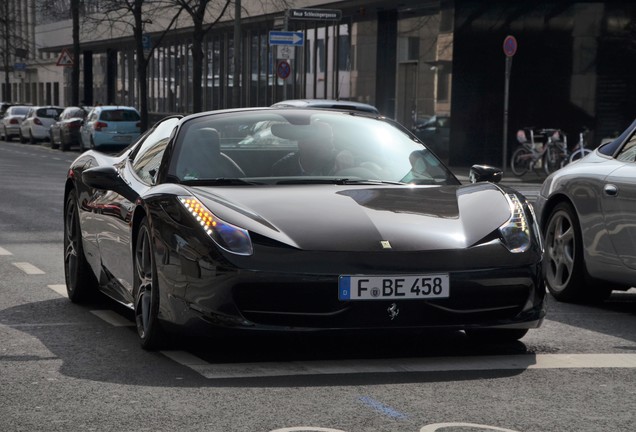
[289,146]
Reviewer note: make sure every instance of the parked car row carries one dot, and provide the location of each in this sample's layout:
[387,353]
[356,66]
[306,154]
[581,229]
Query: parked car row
[107,127]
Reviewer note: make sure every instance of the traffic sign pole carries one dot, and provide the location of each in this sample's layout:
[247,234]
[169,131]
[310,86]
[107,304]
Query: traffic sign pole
[509,48]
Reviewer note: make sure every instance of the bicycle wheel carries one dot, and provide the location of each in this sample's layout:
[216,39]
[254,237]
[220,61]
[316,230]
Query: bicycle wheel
[579,154]
[552,160]
[520,161]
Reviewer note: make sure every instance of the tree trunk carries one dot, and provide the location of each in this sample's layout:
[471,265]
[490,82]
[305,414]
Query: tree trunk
[141,65]
[197,66]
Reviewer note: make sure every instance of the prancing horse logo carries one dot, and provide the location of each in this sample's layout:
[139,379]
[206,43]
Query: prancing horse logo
[393,311]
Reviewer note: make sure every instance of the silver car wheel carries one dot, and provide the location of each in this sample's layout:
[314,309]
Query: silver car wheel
[560,250]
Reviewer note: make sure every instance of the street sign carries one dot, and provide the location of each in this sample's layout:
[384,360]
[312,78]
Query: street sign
[19,66]
[146,43]
[286,52]
[283,69]
[65,58]
[286,38]
[315,14]
[510,46]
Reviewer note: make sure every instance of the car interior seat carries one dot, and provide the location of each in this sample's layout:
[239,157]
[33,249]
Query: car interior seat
[201,157]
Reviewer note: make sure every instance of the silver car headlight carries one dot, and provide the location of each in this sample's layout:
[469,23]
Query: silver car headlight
[516,231]
[227,236]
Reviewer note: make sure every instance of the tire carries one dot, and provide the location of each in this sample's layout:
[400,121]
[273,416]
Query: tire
[564,266]
[81,283]
[22,139]
[7,137]
[496,335]
[520,161]
[579,154]
[146,292]
[63,145]
[54,145]
[81,145]
[552,160]
[31,139]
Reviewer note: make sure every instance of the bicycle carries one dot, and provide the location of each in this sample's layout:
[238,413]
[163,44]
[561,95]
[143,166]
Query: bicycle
[546,148]
[580,150]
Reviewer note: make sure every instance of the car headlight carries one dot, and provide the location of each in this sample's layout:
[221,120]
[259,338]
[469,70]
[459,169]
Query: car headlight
[516,231]
[227,236]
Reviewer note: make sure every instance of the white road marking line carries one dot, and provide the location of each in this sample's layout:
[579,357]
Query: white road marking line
[113,318]
[432,364]
[28,268]
[4,252]
[60,289]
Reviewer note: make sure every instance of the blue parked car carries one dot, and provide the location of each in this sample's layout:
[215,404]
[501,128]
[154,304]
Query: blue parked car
[110,127]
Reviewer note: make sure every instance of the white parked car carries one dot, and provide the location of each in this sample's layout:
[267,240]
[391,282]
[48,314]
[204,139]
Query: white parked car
[11,120]
[37,122]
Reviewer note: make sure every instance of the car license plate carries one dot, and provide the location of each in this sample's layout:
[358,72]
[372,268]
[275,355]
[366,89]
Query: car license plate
[394,287]
[122,138]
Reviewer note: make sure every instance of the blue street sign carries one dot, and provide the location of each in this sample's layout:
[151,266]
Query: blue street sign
[286,38]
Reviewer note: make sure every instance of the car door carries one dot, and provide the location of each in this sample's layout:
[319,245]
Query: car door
[619,204]
[139,172]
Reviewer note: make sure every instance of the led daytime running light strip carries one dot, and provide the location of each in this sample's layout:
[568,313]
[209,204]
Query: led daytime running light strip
[518,218]
[204,217]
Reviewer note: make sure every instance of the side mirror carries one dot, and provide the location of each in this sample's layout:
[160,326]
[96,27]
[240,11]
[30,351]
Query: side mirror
[107,178]
[485,173]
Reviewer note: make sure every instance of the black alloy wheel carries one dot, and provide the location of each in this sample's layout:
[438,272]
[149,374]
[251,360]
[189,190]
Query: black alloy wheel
[81,282]
[564,266]
[54,145]
[63,144]
[146,292]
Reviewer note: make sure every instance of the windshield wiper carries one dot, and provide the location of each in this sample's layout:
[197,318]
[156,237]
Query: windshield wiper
[220,181]
[336,181]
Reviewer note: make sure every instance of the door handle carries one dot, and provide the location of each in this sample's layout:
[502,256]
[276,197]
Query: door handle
[610,190]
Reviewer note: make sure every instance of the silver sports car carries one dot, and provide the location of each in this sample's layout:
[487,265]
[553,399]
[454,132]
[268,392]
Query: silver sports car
[588,214]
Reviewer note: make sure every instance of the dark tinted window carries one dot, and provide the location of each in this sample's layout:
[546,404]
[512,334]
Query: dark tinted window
[48,112]
[18,110]
[119,115]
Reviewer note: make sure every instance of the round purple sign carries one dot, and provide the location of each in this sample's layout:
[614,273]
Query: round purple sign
[510,46]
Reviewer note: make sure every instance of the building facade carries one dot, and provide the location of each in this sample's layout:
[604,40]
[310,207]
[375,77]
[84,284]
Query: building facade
[412,59]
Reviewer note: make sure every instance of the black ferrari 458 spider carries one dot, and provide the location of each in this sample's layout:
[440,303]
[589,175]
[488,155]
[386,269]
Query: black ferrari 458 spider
[290,219]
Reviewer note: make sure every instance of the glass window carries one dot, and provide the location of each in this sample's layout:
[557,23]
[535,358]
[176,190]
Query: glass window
[628,152]
[148,158]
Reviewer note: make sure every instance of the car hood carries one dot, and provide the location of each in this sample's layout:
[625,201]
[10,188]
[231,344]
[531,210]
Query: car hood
[362,218]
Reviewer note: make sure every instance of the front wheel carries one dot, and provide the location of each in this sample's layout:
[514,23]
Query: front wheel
[81,282]
[564,265]
[579,154]
[552,159]
[520,161]
[54,145]
[146,291]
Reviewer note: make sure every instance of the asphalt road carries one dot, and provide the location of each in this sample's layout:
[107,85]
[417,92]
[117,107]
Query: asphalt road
[66,367]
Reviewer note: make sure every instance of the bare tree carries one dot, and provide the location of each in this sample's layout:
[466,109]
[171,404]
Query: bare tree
[137,13]
[13,44]
[198,12]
